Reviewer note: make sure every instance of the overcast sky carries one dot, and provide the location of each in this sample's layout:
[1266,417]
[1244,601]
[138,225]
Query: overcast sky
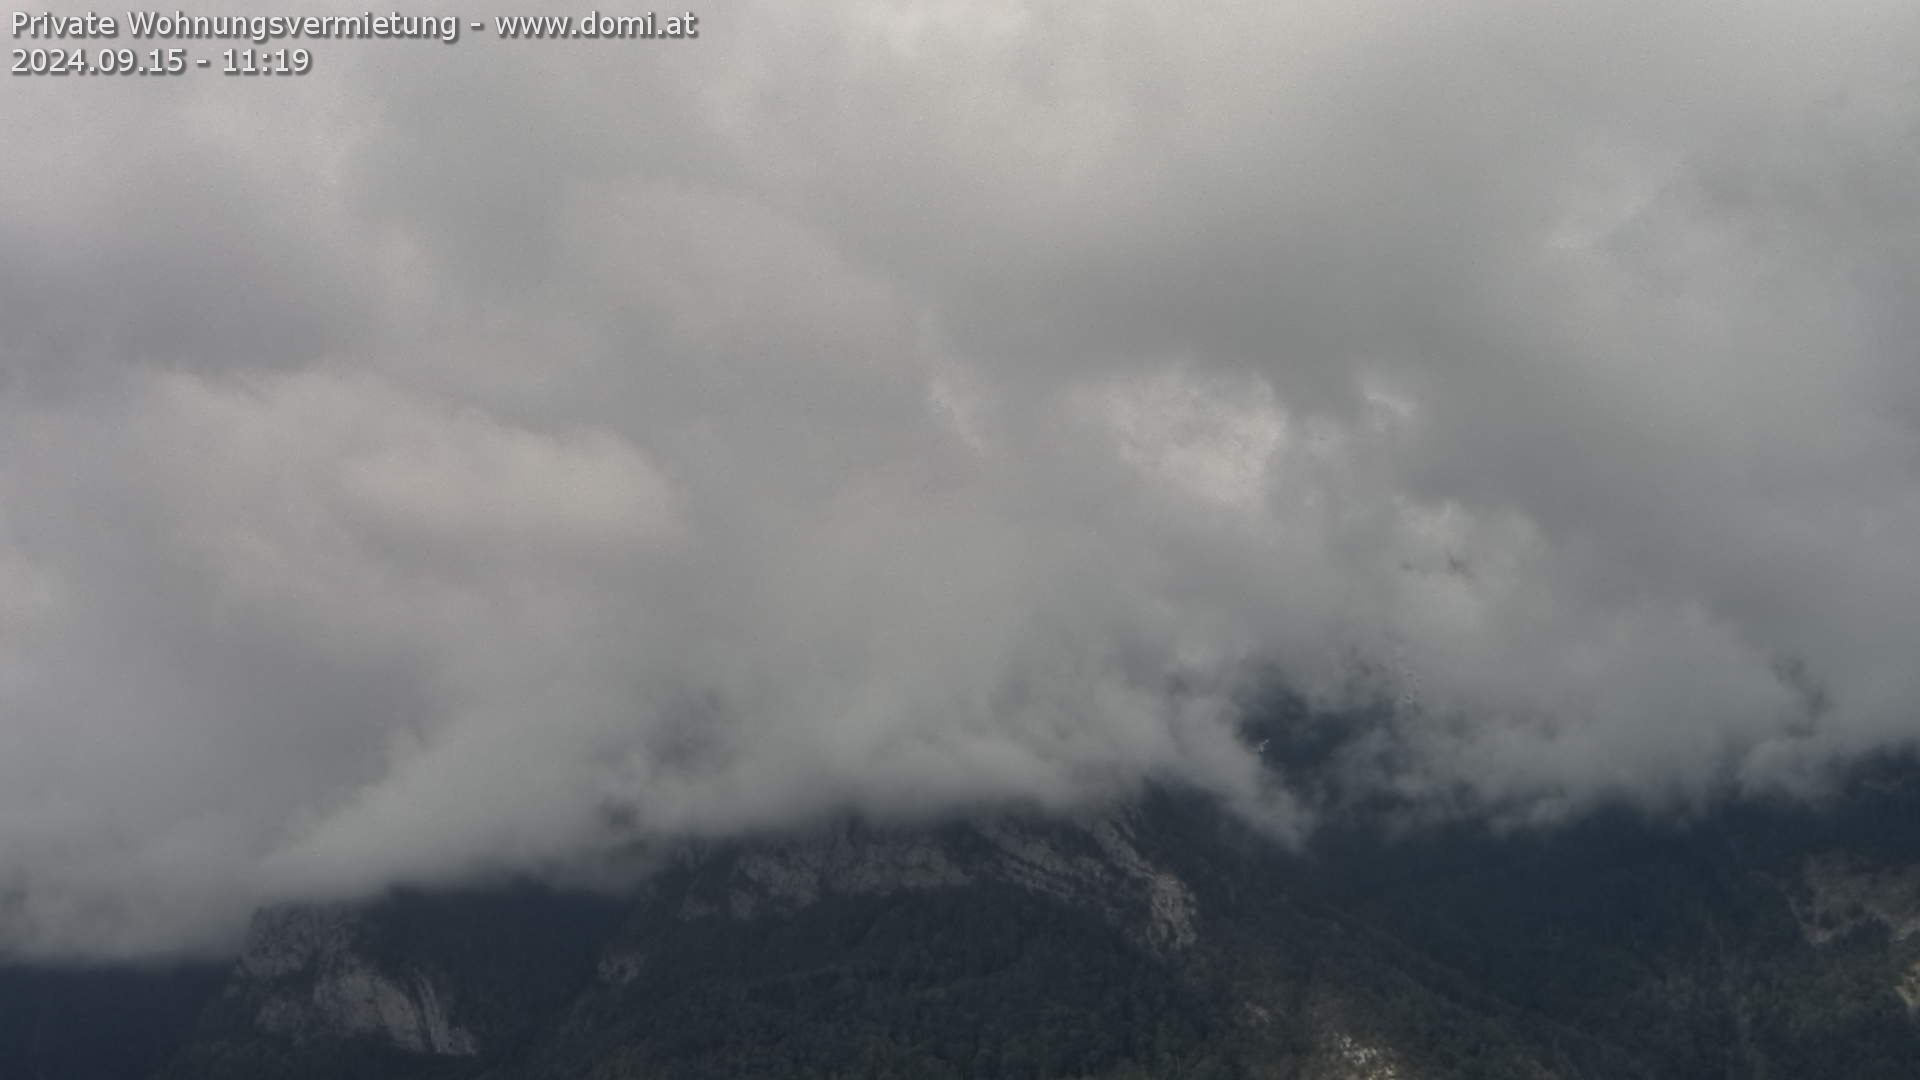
[469,458]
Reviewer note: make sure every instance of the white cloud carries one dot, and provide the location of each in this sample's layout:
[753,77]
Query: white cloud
[467,459]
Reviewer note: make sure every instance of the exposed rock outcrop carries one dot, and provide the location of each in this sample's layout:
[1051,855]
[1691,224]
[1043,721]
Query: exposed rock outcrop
[1096,864]
[1846,893]
[306,979]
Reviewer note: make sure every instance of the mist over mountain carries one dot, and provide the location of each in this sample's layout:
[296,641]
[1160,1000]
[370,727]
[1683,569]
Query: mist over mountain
[490,461]
[1159,938]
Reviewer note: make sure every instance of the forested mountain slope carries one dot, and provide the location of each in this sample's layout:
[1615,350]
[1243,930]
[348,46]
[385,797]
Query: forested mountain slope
[1161,938]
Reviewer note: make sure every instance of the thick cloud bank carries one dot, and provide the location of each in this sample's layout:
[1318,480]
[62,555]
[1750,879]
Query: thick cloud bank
[474,458]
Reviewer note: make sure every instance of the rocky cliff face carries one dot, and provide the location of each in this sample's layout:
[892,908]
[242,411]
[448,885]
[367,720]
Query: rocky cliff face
[1008,901]
[311,975]
[1844,895]
[304,976]
[1160,939]
[1095,864]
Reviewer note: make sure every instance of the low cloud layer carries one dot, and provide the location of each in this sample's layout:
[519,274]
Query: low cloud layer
[474,459]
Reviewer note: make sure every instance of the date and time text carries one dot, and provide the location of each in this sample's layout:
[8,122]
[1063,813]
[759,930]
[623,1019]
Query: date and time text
[147,43]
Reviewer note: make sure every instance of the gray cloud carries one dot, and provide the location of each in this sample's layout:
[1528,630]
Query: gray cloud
[475,459]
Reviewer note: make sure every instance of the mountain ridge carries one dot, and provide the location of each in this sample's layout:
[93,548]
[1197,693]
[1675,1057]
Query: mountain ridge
[1157,938]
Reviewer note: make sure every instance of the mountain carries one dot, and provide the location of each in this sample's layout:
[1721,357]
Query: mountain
[1161,938]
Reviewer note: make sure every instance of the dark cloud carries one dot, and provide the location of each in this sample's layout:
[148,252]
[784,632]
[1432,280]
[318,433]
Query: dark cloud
[476,458]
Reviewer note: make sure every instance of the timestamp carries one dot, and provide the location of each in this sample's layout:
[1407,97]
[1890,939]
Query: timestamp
[162,62]
[266,62]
